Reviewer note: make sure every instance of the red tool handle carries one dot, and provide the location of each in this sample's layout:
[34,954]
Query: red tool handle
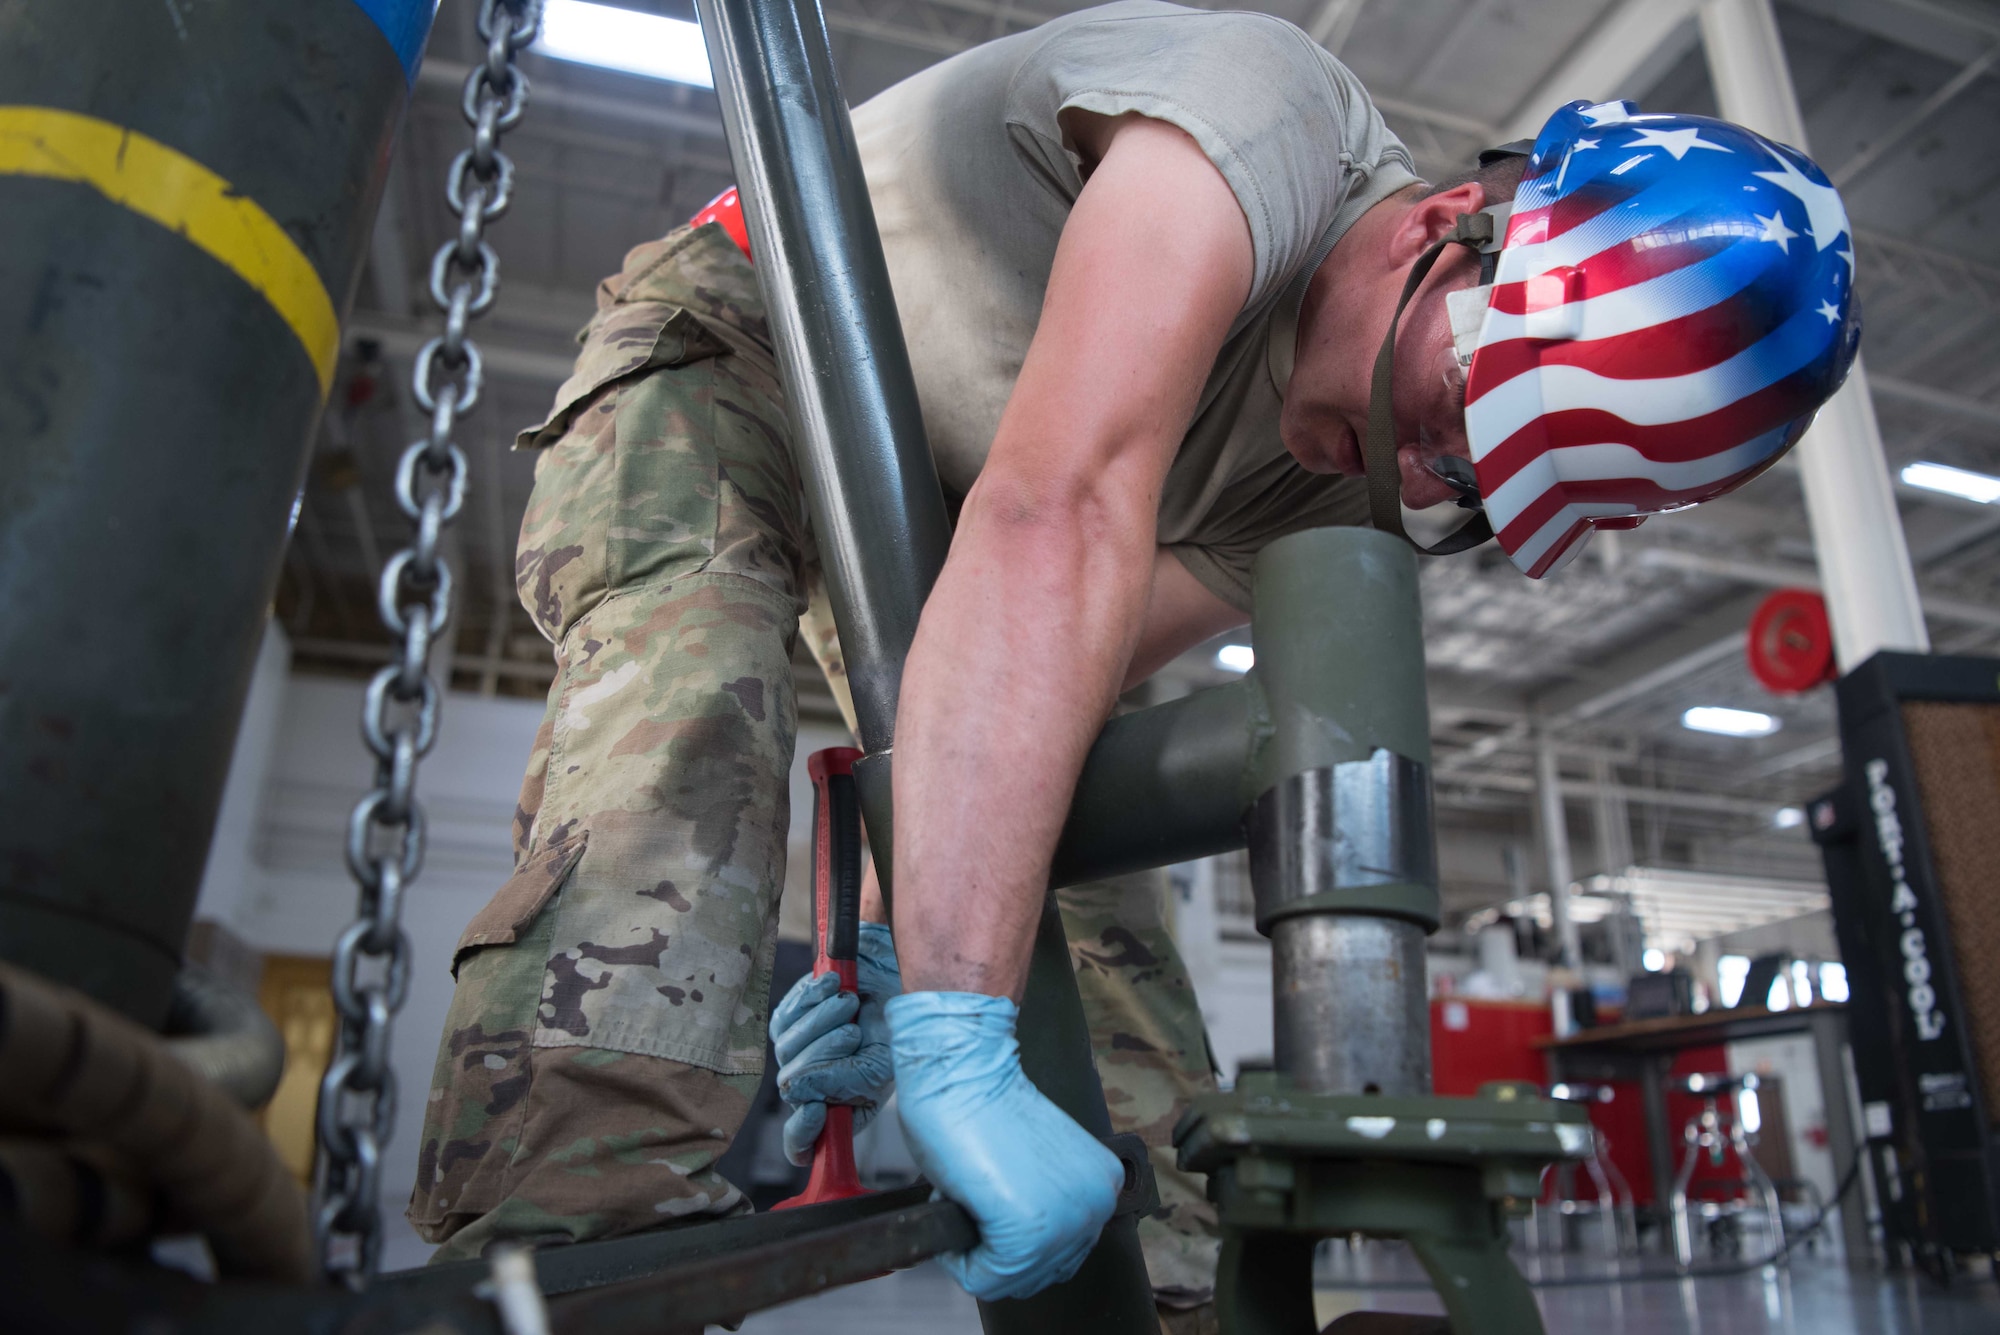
[837,935]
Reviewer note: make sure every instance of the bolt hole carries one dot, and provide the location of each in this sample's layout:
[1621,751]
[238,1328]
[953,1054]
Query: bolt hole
[1371,1088]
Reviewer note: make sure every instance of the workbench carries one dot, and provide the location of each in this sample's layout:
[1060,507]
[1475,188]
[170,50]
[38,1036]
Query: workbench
[1644,1050]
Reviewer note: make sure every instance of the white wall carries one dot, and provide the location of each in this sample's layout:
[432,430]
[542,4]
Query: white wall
[1231,976]
[277,878]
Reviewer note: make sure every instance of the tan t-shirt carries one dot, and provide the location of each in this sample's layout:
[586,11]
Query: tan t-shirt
[972,181]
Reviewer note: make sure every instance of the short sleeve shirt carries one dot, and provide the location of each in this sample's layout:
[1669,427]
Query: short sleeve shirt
[972,179]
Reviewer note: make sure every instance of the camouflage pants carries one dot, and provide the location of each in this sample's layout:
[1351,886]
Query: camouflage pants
[607,1032]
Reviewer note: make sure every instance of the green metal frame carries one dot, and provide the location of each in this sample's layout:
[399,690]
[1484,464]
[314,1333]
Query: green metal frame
[1287,1169]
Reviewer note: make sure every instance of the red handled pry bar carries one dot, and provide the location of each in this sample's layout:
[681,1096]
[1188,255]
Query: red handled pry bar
[837,936]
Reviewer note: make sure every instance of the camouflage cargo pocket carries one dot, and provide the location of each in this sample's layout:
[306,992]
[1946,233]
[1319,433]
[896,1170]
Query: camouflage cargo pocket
[520,900]
[585,511]
[666,459]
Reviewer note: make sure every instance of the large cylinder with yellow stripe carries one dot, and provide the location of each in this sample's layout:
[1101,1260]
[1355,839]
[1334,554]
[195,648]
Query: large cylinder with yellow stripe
[186,193]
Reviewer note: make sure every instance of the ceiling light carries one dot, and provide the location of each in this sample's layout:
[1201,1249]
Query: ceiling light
[1729,722]
[624,39]
[1235,657]
[1979,487]
[1788,818]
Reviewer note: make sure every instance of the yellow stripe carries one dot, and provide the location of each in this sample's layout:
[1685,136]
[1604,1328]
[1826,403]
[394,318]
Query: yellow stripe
[183,196]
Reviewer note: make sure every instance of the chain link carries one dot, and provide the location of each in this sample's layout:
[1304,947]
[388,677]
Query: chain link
[399,717]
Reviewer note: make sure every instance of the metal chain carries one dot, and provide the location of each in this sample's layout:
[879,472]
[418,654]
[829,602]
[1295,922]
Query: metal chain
[385,834]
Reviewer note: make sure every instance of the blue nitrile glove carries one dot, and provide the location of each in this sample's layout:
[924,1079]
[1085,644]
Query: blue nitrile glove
[833,1046]
[1039,1186]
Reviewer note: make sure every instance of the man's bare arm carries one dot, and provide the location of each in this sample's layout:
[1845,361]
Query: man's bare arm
[1037,615]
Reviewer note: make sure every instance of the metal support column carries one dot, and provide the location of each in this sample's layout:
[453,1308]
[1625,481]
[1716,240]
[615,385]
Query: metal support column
[1864,562]
[1829,1038]
[1555,837]
[186,193]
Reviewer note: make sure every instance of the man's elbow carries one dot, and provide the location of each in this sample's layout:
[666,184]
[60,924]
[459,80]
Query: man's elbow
[1055,512]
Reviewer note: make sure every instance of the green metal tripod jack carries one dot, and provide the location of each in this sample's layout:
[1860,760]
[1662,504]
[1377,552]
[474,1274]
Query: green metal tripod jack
[1346,1137]
[1287,1168]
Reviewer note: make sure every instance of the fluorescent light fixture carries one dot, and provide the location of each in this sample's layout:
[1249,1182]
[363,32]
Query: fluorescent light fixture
[1972,486]
[1235,657]
[1729,722]
[624,39]
[1788,818]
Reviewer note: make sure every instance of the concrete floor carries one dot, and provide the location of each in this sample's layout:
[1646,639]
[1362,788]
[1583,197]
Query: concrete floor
[1814,1298]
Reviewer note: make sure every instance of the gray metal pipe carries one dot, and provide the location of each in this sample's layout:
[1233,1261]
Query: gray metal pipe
[871,486]
[1351,1008]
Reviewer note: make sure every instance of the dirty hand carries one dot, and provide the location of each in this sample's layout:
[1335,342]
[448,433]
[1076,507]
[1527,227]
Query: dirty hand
[1039,1186]
[833,1046]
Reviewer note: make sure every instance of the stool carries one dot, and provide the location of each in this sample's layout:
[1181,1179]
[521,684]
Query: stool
[1611,1199]
[1713,1131]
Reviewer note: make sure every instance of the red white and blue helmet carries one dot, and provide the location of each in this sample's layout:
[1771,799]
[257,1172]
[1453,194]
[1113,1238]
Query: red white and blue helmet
[1673,300]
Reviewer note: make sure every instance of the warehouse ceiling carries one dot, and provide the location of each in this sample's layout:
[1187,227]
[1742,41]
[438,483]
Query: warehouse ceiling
[1900,105]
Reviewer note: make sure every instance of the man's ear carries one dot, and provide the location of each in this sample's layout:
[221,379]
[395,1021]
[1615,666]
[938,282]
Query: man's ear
[1431,219]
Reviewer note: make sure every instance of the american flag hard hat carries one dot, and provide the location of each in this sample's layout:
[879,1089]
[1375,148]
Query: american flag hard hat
[1673,301]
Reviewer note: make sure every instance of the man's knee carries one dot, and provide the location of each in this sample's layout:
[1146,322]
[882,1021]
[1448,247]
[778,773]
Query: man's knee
[608,1143]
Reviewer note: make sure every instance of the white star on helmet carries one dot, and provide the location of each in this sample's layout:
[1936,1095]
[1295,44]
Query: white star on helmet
[1676,142]
[1775,230]
[1826,219]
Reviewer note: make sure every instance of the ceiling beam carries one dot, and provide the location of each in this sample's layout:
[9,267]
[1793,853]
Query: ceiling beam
[1443,120]
[1674,799]
[1333,22]
[1776,575]
[1944,32]
[1938,400]
[1870,154]
[1893,260]
[1659,661]
[1622,55]
[445,79]
[402,337]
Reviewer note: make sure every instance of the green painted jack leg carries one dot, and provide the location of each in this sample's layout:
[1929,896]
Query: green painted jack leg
[1288,1168]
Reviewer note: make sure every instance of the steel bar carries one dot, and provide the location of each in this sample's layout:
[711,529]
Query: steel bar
[871,486]
[694,1294]
[587,1265]
[1555,847]
[184,209]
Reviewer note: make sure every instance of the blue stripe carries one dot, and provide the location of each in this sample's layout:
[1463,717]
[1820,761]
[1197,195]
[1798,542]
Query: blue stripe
[407,25]
[1790,348]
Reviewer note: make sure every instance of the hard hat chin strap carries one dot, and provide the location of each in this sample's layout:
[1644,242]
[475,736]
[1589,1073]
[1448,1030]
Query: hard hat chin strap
[1385,491]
